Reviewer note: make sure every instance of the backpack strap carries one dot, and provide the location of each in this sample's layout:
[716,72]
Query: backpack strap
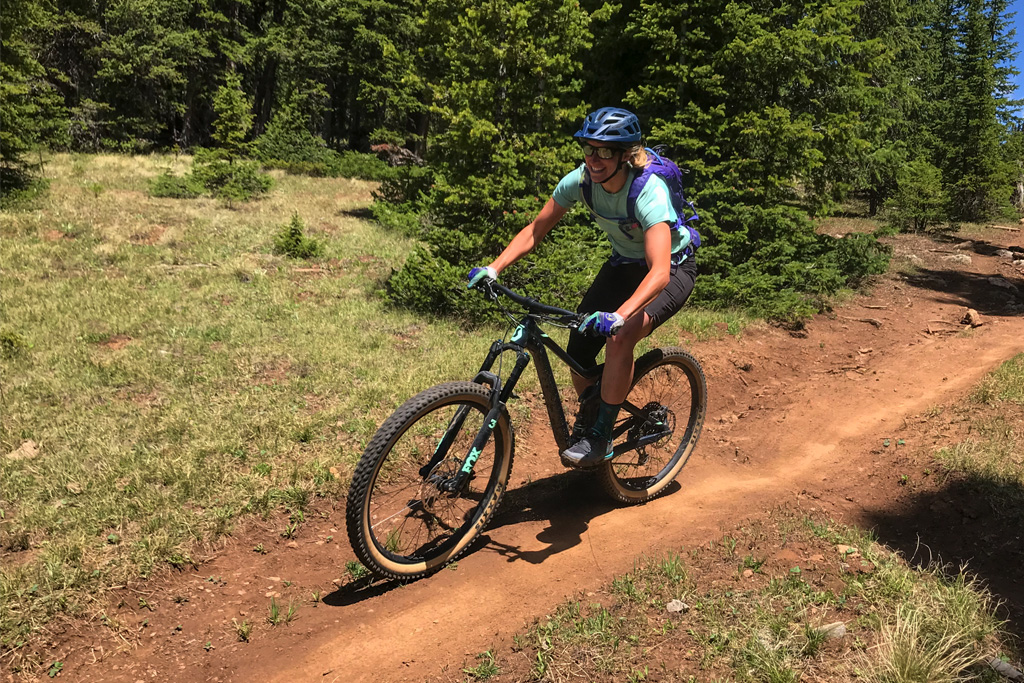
[587,190]
[682,222]
[587,195]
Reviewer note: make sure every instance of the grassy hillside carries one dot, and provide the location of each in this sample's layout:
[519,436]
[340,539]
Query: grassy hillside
[164,372]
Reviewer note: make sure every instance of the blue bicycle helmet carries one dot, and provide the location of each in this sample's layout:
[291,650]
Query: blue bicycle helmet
[610,124]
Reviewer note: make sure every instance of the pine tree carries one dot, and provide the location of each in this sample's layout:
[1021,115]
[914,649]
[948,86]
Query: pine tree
[234,117]
[30,113]
[974,46]
[505,93]
[896,112]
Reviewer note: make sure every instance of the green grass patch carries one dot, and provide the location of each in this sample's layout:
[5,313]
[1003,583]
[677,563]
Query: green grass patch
[836,606]
[991,457]
[167,369]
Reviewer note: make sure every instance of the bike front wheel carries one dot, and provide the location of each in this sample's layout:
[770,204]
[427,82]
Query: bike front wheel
[405,517]
[670,389]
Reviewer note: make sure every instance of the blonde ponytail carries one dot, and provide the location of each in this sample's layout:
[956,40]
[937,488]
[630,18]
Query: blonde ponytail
[637,156]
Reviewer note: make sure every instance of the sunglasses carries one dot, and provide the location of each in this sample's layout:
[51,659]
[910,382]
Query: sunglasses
[602,152]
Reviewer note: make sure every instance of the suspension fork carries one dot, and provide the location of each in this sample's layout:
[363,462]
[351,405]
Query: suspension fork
[500,393]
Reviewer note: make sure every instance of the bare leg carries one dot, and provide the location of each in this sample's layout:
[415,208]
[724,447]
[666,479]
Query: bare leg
[580,383]
[618,364]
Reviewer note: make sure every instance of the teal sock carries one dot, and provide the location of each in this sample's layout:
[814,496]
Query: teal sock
[605,422]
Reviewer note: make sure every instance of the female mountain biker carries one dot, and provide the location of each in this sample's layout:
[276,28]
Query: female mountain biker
[649,276]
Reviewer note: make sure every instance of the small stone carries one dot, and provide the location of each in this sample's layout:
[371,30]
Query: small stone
[833,631]
[961,259]
[26,451]
[972,318]
[747,573]
[275,579]
[293,544]
[1002,282]
[1004,253]
[338,582]
[847,551]
[677,606]
[915,259]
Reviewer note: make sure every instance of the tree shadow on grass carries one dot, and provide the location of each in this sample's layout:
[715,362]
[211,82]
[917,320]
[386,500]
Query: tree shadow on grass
[362,213]
[975,521]
[972,290]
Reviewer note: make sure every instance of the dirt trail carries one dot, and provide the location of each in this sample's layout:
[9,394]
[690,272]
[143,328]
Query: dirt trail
[791,417]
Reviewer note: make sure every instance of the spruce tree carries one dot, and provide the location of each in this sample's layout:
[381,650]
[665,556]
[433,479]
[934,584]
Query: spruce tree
[233,122]
[504,77]
[30,113]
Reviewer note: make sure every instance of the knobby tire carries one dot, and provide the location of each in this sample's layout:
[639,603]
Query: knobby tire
[672,379]
[403,525]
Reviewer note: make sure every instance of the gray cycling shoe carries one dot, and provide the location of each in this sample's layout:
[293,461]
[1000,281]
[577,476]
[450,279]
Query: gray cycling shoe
[588,452]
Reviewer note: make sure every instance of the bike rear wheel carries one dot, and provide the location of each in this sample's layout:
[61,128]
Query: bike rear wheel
[403,521]
[669,386]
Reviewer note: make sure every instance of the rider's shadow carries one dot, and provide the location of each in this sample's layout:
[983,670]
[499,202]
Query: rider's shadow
[569,501]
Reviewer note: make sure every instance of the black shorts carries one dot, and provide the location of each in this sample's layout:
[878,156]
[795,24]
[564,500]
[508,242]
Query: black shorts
[613,286]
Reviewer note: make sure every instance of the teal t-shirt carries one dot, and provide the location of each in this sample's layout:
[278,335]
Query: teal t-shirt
[653,206]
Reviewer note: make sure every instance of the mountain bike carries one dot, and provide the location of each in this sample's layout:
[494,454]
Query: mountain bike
[435,471]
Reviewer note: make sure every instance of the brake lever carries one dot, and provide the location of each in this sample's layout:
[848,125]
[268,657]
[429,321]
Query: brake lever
[487,287]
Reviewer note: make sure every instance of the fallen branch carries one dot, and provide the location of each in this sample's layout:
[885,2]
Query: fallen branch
[1003,227]
[870,321]
[945,322]
[188,265]
[884,308]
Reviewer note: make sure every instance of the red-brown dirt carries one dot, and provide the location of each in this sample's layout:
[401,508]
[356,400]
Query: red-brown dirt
[794,417]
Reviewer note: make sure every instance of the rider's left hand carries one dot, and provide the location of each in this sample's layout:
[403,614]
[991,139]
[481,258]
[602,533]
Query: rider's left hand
[604,324]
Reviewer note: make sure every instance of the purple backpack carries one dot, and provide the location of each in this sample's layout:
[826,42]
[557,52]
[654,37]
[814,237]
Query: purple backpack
[668,171]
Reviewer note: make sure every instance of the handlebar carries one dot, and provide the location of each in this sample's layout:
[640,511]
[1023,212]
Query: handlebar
[559,315]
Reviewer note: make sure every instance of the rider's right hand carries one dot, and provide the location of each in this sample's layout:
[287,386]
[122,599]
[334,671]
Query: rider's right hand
[477,275]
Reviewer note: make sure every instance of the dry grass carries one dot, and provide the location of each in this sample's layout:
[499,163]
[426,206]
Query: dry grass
[166,373]
[902,624]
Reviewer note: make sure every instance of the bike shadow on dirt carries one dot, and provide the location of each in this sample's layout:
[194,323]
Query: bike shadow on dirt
[568,502]
[992,295]
[360,589]
[973,521]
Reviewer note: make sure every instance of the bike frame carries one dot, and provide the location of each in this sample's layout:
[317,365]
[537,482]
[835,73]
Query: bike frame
[529,340]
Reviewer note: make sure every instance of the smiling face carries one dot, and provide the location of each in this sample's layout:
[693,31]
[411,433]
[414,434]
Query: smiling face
[601,170]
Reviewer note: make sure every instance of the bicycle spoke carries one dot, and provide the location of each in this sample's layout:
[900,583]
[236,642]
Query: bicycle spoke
[410,515]
[654,443]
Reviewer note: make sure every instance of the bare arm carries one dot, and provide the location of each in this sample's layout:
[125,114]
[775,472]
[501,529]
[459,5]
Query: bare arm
[658,248]
[530,236]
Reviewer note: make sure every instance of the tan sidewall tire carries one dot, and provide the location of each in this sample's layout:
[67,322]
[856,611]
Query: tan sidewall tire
[699,393]
[376,453]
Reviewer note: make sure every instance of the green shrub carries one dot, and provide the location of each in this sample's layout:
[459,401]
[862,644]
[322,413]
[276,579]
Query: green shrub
[771,262]
[920,201]
[288,144]
[12,345]
[229,178]
[178,187]
[292,241]
[363,166]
